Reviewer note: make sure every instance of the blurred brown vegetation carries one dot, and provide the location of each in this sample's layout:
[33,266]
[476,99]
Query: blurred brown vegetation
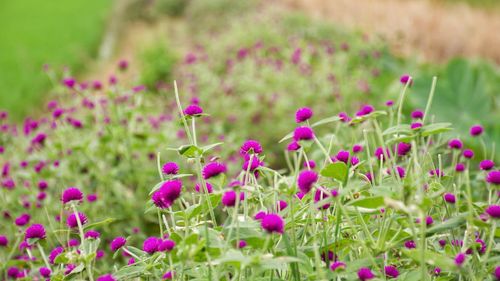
[434,30]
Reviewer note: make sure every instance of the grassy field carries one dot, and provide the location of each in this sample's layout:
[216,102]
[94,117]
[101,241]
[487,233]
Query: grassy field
[35,33]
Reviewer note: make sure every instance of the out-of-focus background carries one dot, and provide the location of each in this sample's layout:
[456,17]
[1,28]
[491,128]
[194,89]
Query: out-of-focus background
[456,40]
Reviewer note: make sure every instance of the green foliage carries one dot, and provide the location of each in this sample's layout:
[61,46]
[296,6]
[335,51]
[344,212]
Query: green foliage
[158,65]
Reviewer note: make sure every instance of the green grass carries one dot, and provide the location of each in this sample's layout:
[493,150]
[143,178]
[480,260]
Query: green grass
[34,33]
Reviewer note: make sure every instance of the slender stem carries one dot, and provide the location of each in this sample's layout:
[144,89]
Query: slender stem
[431,97]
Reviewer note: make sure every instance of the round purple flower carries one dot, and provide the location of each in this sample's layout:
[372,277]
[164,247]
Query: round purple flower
[54,253]
[252,164]
[260,215]
[460,167]
[496,273]
[468,153]
[405,79]
[460,259]
[170,168]
[493,177]
[117,243]
[293,146]
[342,156]
[365,110]
[250,146]
[273,223]
[401,171]
[403,148]
[13,272]
[310,164]
[71,194]
[213,169]
[379,153]
[303,133]
[72,222]
[416,125]
[166,245]
[229,198]
[92,234]
[45,272]
[165,196]
[338,265]
[303,114]
[22,220]
[73,243]
[429,220]
[476,130]
[168,276]
[321,195]
[391,271]
[242,244]
[193,110]
[282,205]
[486,165]
[42,185]
[306,180]
[417,114]
[365,273]
[357,148]
[35,231]
[449,197]
[69,82]
[410,244]
[436,172]
[151,244]
[344,117]
[493,211]
[3,241]
[455,144]
[106,277]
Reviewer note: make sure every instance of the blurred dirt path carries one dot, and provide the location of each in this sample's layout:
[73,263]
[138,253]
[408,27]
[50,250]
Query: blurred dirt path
[431,30]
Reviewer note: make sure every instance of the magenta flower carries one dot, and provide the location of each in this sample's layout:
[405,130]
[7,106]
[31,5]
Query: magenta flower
[460,167]
[416,125]
[260,215]
[170,168]
[410,244]
[342,156]
[450,198]
[493,177]
[54,253]
[460,259]
[379,153]
[71,194]
[229,198]
[72,222]
[117,243]
[252,164]
[429,220]
[303,133]
[45,272]
[344,117]
[250,147]
[486,165]
[468,153]
[282,205]
[303,114]
[92,234]
[213,169]
[306,180]
[106,277]
[242,244]
[293,146]
[151,244]
[166,245]
[321,195]
[403,148]
[357,148]
[436,172]
[42,185]
[69,82]
[193,110]
[365,110]
[365,273]
[310,164]
[165,196]
[391,271]
[493,211]
[273,223]
[417,114]
[455,144]
[35,231]
[3,241]
[338,265]
[476,130]
[496,273]
[168,276]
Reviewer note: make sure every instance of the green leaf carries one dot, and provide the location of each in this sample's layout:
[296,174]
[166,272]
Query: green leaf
[99,223]
[129,272]
[337,170]
[431,258]
[368,202]
[436,128]
[326,121]
[448,224]
[190,151]
[210,146]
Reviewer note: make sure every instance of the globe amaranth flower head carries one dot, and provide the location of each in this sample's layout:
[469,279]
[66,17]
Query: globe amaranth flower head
[391,271]
[92,234]
[455,144]
[250,146]
[3,241]
[251,163]
[170,168]
[117,243]
[337,266]
[165,196]
[199,187]
[460,259]
[72,221]
[193,110]
[486,165]
[71,194]
[493,211]
[321,195]
[54,253]
[450,198]
[306,180]
[303,133]
[468,153]
[35,231]
[273,223]
[303,114]
[493,177]
[365,110]
[166,245]
[45,272]
[106,277]
[496,273]
[229,198]
[417,114]
[405,79]
[151,244]
[365,273]
[476,130]
[213,169]
[403,148]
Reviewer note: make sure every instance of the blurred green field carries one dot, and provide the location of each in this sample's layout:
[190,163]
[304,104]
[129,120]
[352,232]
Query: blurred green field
[34,33]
